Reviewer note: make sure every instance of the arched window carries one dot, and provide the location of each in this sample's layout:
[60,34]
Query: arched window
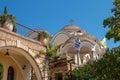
[10,75]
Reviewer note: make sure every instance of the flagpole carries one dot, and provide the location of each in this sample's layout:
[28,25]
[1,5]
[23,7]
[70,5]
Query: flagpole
[78,55]
[77,46]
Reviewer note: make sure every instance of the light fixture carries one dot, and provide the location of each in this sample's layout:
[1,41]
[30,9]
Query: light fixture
[7,53]
[24,67]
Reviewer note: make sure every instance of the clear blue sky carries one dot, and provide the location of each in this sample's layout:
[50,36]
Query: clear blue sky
[52,15]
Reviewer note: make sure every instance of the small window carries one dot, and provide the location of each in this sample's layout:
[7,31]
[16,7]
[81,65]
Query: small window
[79,31]
[95,40]
[10,75]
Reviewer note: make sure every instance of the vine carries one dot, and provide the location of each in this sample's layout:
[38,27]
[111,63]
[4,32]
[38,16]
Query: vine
[1,70]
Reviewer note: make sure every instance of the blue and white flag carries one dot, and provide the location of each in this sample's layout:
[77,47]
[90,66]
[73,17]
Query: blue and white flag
[77,43]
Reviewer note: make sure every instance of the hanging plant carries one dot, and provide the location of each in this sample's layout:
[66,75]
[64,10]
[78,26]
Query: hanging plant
[1,70]
[1,67]
[5,17]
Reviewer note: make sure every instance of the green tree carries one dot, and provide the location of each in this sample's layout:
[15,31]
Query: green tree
[113,22]
[81,73]
[107,68]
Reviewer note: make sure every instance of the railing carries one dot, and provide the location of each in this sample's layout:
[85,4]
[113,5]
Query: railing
[23,30]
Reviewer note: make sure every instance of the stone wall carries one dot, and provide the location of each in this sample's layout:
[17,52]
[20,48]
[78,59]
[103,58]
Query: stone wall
[11,39]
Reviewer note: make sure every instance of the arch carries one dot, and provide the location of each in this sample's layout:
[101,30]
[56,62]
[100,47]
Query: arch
[67,47]
[10,75]
[27,56]
[66,34]
[94,55]
[85,48]
[86,58]
[90,45]
[96,52]
[83,43]
[70,51]
[85,53]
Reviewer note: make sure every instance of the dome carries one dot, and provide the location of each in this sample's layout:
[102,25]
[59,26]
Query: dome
[71,27]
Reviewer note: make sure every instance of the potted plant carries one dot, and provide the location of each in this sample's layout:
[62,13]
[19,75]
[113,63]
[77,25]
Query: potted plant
[43,36]
[8,21]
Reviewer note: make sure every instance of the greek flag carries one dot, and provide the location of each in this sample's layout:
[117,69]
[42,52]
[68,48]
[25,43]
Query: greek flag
[77,43]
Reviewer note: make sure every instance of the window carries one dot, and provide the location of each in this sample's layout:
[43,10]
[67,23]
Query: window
[10,75]
[58,76]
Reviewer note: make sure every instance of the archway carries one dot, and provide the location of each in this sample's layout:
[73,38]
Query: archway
[22,62]
[85,53]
